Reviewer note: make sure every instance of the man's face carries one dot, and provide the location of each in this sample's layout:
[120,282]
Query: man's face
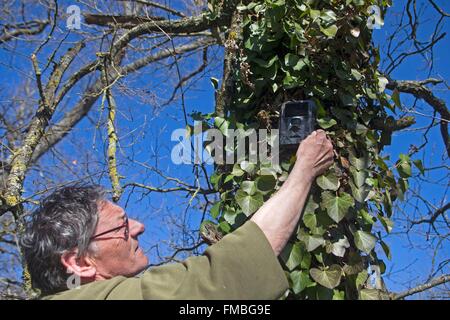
[116,254]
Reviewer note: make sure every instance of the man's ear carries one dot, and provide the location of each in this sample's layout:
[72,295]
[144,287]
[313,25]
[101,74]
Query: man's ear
[81,266]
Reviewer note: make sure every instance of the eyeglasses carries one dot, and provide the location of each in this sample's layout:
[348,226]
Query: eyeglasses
[124,225]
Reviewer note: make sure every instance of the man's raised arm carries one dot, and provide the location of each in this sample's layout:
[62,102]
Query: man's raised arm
[278,217]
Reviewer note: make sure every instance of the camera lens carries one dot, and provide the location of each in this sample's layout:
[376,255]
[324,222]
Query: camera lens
[295,124]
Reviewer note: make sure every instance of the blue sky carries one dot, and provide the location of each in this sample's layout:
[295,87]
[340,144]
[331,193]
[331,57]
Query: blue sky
[143,122]
[415,69]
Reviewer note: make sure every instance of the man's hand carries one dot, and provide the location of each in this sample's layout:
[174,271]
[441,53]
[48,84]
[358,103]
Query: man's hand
[314,155]
[279,216]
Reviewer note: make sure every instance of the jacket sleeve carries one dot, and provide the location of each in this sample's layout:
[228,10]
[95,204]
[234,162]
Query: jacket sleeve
[240,266]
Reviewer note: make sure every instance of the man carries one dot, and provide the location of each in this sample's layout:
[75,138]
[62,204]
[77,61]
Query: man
[76,232]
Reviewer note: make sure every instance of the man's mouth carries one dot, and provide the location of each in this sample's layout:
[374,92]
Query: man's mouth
[137,248]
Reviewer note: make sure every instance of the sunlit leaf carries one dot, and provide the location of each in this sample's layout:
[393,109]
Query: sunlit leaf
[364,241]
[329,278]
[249,203]
[336,206]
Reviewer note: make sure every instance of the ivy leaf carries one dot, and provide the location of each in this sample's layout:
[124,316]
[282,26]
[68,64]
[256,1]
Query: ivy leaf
[382,82]
[225,227]
[249,203]
[330,32]
[359,193]
[326,123]
[249,187]
[293,61]
[364,241]
[396,98]
[309,217]
[351,269]
[310,221]
[300,280]
[237,171]
[311,242]
[404,166]
[215,179]
[387,223]
[314,14]
[328,16]
[329,278]
[329,181]
[361,279]
[228,178]
[295,257]
[230,216]
[355,73]
[266,183]
[338,295]
[311,206]
[248,167]
[419,165]
[222,124]
[338,248]
[336,206]
[359,176]
[215,83]
[215,210]
[386,249]
[359,163]
[371,294]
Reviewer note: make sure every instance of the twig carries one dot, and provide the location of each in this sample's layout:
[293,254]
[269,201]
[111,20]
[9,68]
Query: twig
[433,283]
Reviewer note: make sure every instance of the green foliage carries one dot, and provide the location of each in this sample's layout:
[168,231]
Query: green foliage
[321,50]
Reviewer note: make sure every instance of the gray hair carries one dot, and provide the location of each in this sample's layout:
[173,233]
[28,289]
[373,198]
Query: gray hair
[65,220]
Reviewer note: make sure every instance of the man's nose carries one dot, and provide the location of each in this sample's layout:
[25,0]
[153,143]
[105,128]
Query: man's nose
[136,228]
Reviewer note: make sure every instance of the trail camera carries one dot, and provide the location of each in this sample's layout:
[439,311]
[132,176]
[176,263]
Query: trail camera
[297,121]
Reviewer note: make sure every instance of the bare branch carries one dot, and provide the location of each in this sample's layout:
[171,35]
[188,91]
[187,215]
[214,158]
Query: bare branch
[127,22]
[160,6]
[433,217]
[442,12]
[432,283]
[58,131]
[420,91]
[188,189]
[392,124]
[28,28]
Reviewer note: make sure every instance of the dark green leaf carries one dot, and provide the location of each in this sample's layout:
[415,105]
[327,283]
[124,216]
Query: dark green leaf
[300,280]
[215,210]
[265,184]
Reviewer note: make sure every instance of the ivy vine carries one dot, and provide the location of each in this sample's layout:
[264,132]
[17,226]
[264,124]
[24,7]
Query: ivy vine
[320,50]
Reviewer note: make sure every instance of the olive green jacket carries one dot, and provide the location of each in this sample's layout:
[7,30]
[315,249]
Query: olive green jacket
[240,266]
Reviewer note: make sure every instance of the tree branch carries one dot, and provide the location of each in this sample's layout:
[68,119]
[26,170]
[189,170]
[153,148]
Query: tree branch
[23,156]
[432,283]
[420,91]
[390,124]
[160,6]
[126,22]
[433,217]
[58,131]
[27,28]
